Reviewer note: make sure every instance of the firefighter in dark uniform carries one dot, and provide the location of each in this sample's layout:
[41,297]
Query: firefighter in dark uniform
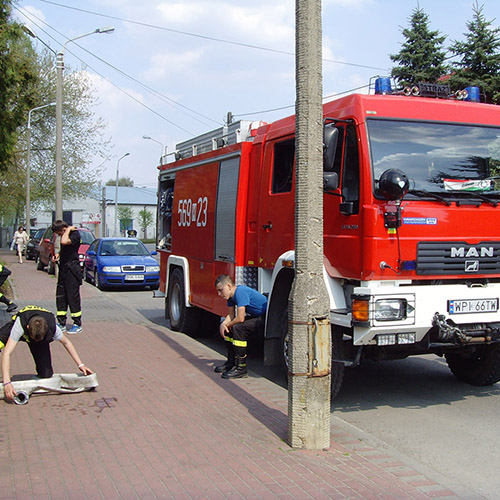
[4,274]
[37,327]
[69,278]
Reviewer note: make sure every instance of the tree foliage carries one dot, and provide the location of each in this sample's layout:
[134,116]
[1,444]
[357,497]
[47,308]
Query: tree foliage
[18,82]
[421,58]
[122,181]
[479,54]
[146,218]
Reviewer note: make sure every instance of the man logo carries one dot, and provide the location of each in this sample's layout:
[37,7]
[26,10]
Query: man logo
[471,266]
[458,252]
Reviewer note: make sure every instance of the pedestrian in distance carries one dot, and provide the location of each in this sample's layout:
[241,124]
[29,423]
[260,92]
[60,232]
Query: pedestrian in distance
[4,274]
[69,277]
[21,240]
[246,310]
[37,327]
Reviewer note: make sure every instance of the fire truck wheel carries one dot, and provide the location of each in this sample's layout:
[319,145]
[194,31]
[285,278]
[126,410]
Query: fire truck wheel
[480,368]
[337,353]
[182,318]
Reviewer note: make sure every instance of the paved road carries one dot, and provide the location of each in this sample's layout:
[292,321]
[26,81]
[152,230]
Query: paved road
[413,407]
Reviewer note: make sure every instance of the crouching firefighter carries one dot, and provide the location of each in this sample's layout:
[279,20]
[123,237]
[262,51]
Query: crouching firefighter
[69,278]
[37,327]
[246,311]
[4,274]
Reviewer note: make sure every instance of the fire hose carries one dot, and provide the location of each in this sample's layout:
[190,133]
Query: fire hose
[61,383]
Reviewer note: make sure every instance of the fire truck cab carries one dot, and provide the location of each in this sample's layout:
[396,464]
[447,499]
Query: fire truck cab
[411,225]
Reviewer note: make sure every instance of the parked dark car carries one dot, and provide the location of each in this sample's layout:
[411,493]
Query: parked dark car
[121,262]
[46,248]
[32,246]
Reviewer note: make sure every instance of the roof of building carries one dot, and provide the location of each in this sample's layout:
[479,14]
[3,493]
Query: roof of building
[131,195]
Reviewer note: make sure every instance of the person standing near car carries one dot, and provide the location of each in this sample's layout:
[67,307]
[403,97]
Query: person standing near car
[69,277]
[21,240]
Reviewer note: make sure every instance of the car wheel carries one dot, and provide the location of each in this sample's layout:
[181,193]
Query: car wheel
[86,275]
[97,281]
[51,268]
[39,264]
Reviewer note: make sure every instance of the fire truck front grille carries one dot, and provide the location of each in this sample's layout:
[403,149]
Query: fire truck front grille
[458,257]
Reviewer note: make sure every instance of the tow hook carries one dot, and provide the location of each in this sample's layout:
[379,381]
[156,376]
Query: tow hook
[450,333]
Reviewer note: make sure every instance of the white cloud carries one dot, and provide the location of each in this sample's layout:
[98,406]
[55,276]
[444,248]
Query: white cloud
[166,65]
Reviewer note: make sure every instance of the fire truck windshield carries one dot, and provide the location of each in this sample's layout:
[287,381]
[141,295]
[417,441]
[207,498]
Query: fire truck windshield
[441,160]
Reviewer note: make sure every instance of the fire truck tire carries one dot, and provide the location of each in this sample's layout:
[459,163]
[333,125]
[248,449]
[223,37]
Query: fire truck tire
[337,353]
[483,368]
[182,318]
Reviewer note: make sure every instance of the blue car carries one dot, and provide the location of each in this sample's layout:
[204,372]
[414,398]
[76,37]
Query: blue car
[111,262]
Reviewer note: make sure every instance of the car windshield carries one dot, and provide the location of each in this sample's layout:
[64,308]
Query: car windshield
[444,159]
[86,237]
[123,247]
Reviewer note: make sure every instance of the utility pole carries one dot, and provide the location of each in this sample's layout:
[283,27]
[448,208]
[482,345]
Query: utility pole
[309,307]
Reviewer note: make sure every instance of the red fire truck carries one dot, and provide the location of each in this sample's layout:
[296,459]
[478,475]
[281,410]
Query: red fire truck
[411,227]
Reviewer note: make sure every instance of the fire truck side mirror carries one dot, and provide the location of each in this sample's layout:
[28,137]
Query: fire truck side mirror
[330,181]
[393,185]
[330,139]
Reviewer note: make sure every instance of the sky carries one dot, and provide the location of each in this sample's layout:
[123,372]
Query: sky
[173,69]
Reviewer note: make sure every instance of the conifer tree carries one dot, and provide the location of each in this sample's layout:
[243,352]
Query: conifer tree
[479,54]
[421,58]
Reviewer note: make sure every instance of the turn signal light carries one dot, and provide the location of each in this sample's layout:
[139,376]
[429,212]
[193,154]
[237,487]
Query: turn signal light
[360,310]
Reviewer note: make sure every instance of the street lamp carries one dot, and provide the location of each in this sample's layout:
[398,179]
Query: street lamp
[59,68]
[116,192]
[158,142]
[28,167]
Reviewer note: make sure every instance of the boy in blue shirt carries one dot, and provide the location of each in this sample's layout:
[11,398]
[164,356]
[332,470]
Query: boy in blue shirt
[246,311]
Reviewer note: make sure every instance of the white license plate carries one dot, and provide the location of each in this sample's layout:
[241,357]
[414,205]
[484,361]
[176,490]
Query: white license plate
[134,277]
[472,306]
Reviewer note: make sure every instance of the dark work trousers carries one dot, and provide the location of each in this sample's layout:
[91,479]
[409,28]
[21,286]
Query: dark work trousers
[39,350]
[68,292]
[4,274]
[241,331]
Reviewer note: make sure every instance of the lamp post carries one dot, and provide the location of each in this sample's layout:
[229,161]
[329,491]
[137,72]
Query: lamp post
[59,84]
[157,142]
[116,192]
[28,167]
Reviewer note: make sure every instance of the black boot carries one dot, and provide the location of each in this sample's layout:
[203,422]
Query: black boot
[230,360]
[224,367]
[11,307]
[237,371]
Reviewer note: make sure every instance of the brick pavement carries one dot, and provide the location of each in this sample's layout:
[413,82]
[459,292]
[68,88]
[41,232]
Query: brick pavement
[162,425]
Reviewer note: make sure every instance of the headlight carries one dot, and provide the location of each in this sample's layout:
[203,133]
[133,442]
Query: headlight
[111,269]
[152,269]
[390,309]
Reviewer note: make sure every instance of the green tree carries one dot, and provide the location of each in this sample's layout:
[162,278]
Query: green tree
[421,58]
[122,181]
[18,82]
[479,54]
[146,218]
[126,217]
